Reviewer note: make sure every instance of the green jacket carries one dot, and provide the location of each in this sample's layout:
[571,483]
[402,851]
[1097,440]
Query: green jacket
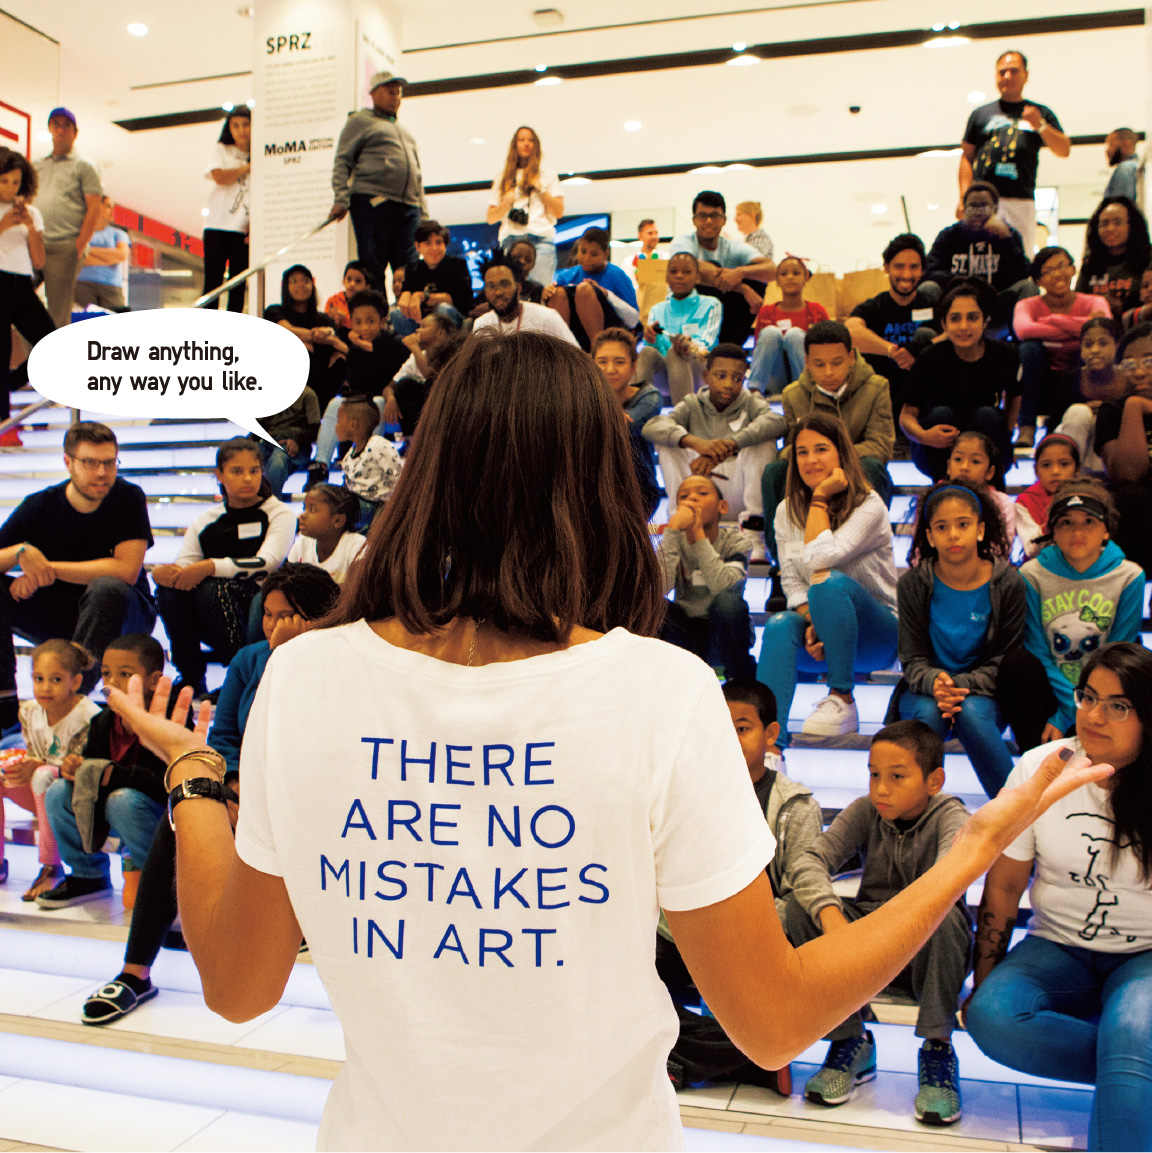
[864,405]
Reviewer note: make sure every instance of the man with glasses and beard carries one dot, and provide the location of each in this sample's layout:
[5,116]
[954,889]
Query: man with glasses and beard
[79,547]
[510,313]
[725,267]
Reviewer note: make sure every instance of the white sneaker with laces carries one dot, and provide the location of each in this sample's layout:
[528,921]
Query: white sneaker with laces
[832,717]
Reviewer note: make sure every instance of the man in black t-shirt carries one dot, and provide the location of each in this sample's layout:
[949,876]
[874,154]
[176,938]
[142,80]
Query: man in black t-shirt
[893,328]
[432,282]
[1002,143]
[80,547]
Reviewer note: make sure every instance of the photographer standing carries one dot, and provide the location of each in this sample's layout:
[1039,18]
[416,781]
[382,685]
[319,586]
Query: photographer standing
[526,202]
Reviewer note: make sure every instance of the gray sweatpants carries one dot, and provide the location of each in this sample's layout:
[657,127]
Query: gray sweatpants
[935,976]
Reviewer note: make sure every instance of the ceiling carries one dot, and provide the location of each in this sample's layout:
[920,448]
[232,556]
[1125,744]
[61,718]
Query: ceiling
[796,106]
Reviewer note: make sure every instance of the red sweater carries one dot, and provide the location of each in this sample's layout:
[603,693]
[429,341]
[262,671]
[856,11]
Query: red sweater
[772,314]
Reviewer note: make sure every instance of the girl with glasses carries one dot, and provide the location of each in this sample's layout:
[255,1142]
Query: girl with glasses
[1070,1001]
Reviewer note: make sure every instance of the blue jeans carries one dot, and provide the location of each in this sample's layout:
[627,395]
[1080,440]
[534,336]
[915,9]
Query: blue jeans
[858,632]
[979,728]
[132,815]
[777,359]
[723,637]
[404,325]
[385,235]
[544,270]
[279,466]
[1076,1015]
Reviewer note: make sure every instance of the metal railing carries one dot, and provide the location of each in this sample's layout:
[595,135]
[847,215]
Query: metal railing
[257,271]
[19,418]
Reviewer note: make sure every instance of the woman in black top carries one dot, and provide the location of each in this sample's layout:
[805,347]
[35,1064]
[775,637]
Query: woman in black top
[299,312]
[957,384]
[1118,252]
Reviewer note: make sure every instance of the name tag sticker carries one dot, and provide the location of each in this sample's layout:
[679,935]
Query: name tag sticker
[1007,169]
[248,531]
[922,314]
[783,323]
[793,551]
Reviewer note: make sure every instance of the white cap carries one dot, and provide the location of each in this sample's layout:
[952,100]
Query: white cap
[384,78]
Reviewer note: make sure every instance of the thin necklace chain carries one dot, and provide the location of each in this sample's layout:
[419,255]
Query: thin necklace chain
[476,623]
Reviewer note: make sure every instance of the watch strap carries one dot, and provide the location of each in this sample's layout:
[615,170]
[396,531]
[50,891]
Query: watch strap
[207,788]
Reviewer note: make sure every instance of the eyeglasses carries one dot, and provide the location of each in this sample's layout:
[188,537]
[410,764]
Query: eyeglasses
[708,216]
[91,464]
[1130,364]
[1114,710]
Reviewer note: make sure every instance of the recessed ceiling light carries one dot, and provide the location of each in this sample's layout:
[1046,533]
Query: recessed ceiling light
[953,24]
[541,67]
[477,140]
[250,103]
[739,46]
[879,209]
[228,107]
[632,125]
[545,81]
[737,167]
[931,152]
[946,41]
[138,29]
[204,211]
[704,168]
[977,97]
[576,180]
[746,59]
[937,27]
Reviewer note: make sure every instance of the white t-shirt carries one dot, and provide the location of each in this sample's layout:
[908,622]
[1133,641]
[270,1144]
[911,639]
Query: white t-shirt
[303,551]
[540,223]
[533,318]
[14,254]
[483,919]
[228,203]
[1078,897]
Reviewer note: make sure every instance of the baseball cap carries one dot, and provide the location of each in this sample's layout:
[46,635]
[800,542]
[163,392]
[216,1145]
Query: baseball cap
[66,114]
[384,78]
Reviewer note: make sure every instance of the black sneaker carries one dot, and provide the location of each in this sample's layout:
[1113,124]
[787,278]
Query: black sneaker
[317,474]
[115,1000]
[777,602]
[75,891]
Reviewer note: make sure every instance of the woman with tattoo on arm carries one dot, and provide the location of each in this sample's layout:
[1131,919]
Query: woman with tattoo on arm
[1073,1000]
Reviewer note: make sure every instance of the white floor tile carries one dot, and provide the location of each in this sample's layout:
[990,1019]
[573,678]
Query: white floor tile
[169,1014]
[700,1140]
[711,1096]
[24,994]
[1055,1117]
[253,1134]
[302,1032]
[989,1110]
[69,1118]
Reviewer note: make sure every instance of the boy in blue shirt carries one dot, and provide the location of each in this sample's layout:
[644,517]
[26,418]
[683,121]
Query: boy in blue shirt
[593,294]
[681,330]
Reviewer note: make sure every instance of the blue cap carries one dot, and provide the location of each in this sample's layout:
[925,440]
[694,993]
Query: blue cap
[66,114]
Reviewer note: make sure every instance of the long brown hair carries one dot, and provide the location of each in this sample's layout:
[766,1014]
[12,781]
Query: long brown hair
[799,495]
[518,503]
[531,169]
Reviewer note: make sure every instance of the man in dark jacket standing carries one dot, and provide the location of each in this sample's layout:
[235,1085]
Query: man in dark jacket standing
[376,175]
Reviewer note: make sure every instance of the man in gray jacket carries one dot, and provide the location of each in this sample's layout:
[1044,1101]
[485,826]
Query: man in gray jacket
[376,175]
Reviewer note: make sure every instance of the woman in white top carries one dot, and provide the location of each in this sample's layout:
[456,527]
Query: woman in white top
[526,202]
[226,224]
[461,797]
[1073,1000]
[21,253]
[837,570]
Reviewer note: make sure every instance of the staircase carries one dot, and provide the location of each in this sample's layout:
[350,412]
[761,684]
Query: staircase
[173,1075]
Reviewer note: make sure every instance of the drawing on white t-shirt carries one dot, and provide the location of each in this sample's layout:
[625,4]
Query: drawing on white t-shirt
[1096,923]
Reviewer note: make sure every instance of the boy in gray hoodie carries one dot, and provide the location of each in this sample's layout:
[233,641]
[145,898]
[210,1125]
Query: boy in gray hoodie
[703,1050]
[901,829]
[726,431]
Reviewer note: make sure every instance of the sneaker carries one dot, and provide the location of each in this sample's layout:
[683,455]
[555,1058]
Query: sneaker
[777,602]
[832,717]
[938,1102]
[849,1064]
[115,1000]
[1025,436]
[75,890]
[317,474]
[759,548]
[11,439]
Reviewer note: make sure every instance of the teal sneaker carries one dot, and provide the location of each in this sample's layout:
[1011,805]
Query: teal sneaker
[938,1102]
[849,1063]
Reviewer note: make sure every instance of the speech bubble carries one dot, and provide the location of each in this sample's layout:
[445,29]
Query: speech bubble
[190,363]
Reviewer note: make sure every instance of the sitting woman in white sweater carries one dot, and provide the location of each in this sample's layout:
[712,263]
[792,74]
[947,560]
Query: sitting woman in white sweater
[839,576]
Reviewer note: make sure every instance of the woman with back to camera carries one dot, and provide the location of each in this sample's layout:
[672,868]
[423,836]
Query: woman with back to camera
[526,202]
[226,223]
[1073,1000]
[517,810]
